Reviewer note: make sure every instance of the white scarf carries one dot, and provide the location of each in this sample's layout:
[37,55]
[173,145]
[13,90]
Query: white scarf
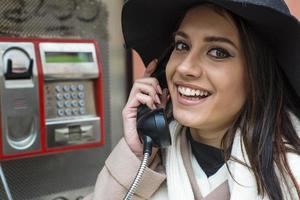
[242,184]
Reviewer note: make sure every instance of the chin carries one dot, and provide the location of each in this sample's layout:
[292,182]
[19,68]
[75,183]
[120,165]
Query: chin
[188,119]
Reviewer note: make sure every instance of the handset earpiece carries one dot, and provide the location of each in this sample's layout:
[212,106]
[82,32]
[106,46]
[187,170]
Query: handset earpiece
[153,123]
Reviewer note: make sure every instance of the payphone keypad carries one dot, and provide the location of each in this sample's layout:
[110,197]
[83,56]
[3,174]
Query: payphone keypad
[68,99]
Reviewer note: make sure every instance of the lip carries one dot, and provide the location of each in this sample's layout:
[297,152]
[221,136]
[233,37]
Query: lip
[188,101]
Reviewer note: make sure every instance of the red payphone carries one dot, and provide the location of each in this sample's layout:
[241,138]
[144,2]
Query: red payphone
[51,94]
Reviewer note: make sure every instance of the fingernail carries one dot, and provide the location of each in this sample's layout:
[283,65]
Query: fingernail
[154,106]
[159,89]
[152,64]
[157,99]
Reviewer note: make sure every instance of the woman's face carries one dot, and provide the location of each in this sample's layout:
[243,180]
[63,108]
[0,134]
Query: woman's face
[206,71]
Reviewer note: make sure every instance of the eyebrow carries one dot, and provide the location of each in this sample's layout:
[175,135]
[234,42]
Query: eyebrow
[207,39]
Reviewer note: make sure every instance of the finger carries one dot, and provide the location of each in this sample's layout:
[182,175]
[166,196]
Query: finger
[151,81]
[150,68]
[139,99]
[145,89]
[165,97]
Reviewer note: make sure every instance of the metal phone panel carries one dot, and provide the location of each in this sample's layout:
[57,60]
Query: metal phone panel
[82,70]
[19,97]
[74,132]
[71,116]
[70,70]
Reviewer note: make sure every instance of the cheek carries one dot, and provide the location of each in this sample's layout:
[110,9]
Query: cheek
[168,73]
[170,70]
[231,90]
[233,99]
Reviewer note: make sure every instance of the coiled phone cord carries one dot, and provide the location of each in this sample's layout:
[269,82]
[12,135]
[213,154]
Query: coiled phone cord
[147,153]
[5,185]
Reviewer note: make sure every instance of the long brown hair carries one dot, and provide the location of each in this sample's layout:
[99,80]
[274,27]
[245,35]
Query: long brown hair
[265,120]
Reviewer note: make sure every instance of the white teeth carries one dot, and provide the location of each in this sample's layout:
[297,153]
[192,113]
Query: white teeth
[192,92]
[188,90]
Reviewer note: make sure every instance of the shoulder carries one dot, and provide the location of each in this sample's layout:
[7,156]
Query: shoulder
[295,122]
[294,163]
[293,158]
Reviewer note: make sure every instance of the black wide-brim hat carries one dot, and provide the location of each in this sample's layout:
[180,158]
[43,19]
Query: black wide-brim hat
[148,26]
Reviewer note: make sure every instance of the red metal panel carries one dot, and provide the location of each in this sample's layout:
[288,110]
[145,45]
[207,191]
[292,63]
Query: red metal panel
[99,100]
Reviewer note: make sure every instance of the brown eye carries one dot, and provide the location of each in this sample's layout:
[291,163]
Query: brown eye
[219,53]
[181,46]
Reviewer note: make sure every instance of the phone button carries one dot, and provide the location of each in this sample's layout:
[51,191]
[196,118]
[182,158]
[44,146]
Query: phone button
[60,104]
[58,88]
[74,103]
[74,95]
[68,104]
[66,88]
[60,112]
[68,112]
[80,87]
[73,88]
[81,103]
[81,95]
[67,96]
[59,96]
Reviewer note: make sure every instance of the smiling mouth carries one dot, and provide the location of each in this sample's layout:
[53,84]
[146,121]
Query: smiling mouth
[192,94]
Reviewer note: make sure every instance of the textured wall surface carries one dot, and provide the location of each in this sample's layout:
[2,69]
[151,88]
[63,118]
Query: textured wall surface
[71,174]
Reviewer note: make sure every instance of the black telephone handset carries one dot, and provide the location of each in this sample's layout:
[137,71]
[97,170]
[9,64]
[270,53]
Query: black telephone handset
[153,124]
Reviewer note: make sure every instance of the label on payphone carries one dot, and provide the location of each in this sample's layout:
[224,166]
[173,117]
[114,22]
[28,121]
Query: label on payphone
[51,96]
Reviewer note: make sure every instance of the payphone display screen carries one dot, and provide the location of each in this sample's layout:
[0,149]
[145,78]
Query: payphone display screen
[68,57]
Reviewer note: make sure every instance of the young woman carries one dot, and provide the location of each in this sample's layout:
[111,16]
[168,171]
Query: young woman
[233,80]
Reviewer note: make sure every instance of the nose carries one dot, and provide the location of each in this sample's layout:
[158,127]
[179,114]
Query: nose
[190,66]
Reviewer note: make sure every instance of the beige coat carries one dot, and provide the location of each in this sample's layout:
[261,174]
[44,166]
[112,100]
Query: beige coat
[118,173]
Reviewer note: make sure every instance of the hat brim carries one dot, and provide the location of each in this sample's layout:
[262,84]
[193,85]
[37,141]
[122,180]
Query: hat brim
[148,26]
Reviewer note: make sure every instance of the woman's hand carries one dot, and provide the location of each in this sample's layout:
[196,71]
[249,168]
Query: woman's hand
[145,91]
